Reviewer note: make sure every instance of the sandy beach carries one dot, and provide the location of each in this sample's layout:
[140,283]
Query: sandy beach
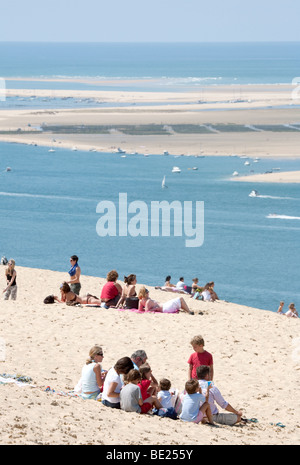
[256,367]
[276,177]
[257,121]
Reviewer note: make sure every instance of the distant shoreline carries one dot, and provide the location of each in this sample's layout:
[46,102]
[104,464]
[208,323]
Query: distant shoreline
[265,122]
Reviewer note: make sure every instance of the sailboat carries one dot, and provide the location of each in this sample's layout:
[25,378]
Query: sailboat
[163,184]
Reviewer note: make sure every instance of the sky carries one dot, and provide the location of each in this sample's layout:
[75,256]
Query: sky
[152,21]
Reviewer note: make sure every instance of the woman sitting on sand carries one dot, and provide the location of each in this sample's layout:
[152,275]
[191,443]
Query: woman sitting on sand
[168,283]
[11,281]
[92,375]
[213,294]
[208,293]
[292,312]
[113,382]
[172,306]
[70,298]
[111,291]
[128,290]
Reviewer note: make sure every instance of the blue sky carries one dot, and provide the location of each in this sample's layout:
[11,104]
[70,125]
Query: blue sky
[152,21]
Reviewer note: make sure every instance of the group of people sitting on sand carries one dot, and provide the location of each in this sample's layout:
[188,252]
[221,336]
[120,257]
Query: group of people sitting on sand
[130,385]
[290,313]
[113,294]
[196,291]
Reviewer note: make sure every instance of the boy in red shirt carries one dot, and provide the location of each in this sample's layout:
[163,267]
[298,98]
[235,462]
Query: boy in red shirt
[199,357]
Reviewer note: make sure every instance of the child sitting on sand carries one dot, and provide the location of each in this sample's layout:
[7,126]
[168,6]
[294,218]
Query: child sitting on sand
[148,386]
[164,395]
[172,306]
[167,400]
[131,396]
[195,405]
[281,304]
[199,357]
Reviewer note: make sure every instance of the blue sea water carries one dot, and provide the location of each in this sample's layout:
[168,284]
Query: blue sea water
[48,201]
[173,65]
[48,212]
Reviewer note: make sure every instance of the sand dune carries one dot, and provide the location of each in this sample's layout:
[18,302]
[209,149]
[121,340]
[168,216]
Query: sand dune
[256,365]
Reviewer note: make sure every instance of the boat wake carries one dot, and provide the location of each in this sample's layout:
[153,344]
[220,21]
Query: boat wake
[44,196]
[283,217]
[278,198]
[254,193]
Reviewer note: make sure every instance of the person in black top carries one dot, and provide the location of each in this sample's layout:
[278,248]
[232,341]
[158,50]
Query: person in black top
[11,281]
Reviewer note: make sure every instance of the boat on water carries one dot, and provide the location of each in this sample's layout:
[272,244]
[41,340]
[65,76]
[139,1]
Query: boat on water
[163,184]
[235,173]
[51,150]
[8,168]
[246,163]
[195,168]
[119,150]
[166,152]
[175,169]
[74,149]
[254,193]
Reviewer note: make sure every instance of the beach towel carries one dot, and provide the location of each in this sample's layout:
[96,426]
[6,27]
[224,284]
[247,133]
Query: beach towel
[19,380]
[62,393]
[133,310]
[173,289]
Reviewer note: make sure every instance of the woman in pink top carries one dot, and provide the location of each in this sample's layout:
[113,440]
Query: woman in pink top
[111,291]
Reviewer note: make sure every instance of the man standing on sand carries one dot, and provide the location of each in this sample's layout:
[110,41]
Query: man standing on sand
[138,358]
[215,396]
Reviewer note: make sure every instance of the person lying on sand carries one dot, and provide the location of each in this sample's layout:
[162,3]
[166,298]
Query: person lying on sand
[169,287]
[172,306]
[70,298]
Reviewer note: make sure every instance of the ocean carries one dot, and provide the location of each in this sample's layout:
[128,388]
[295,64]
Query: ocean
[169,65]
[48,201]
[48,204]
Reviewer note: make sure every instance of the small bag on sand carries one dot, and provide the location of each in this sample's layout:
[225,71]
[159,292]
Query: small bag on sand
[49,299]
[132,302]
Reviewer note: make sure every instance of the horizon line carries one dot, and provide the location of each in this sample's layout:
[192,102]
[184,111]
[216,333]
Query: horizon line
[148,42]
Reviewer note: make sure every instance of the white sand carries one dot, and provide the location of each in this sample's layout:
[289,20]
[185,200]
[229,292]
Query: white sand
[276,177]
[247,105]
[253,363]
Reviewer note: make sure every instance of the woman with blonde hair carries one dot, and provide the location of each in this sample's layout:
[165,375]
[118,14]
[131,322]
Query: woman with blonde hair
[92,375]
[11,281]
[172,306]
